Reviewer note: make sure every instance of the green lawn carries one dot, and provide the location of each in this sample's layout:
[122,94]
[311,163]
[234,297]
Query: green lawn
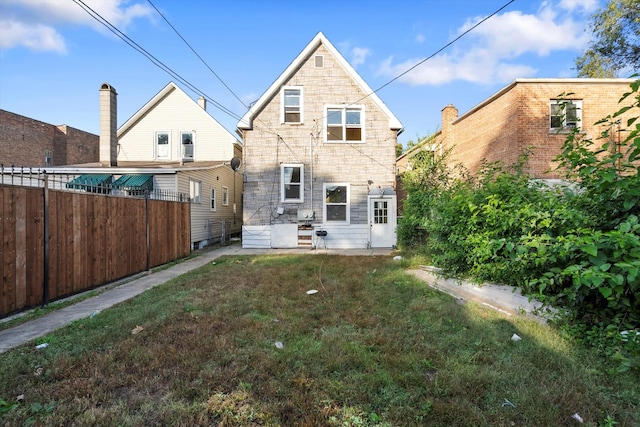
[373,347]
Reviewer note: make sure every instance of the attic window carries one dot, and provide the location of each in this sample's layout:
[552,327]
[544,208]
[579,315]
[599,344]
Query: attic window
[319,61]
[292,105]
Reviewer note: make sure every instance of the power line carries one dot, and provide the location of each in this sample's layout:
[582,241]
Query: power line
[441,49]
[196,54]
[95,15]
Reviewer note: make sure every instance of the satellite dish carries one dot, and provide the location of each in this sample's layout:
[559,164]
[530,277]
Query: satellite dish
[235,163]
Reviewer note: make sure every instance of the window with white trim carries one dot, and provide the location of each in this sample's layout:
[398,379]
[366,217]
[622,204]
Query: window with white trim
[336,206]
[292,105]
[291,183]
[186,138]
[225,196]
[195,191]
[163,145]
[213,199]
[344,124]
[564,114]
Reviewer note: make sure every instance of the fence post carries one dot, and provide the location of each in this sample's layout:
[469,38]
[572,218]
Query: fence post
[45,190]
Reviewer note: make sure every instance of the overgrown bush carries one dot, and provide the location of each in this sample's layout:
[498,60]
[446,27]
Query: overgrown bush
[575,247]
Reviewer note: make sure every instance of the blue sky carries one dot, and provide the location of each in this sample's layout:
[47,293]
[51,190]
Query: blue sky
[54,56]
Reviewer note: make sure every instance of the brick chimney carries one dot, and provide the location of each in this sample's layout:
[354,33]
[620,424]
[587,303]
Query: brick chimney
[108,125]
[449,114]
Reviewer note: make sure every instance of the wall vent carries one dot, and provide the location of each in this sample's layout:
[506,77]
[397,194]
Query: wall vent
[319,60]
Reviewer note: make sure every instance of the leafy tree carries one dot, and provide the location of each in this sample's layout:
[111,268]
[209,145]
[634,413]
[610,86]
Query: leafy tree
[616,43]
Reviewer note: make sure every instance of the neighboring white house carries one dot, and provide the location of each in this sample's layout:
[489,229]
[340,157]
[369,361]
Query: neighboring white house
[171,146]
[319,158]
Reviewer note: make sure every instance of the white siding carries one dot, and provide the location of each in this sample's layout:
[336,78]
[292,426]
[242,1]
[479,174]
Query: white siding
[206,225]
[175,113]
[343,236]
[256,237]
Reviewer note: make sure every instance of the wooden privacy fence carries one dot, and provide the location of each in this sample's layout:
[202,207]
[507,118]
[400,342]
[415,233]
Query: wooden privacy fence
[58,243]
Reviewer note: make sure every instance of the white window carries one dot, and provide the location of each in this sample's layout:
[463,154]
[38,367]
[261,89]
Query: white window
[195,191]
[336,203]
[344,124]
[213,199]
[291,183]
[163,145]
[291,105]
[564,114]
[48,158]
[187,145]
[225,196]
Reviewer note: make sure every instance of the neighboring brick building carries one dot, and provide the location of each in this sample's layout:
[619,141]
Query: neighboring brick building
[28,142]
[319,153]
[525,113]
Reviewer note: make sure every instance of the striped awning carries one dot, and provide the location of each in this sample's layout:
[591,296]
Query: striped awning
[90,182]
[134,182]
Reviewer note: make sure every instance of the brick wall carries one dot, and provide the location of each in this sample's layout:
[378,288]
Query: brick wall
[517,117]
[23,142]
[270,143]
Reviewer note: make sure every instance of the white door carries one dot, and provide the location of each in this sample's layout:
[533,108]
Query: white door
[382,218]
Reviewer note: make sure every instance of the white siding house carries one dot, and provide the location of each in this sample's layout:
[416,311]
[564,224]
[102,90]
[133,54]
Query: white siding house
[171,127]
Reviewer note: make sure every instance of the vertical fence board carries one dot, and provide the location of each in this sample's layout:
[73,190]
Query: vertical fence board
[4,229]
[79,208]
[53,243]
[35,246]
[20,204]
[9,245]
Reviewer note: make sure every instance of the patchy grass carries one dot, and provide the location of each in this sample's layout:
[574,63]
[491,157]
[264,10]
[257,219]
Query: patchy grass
[374,347]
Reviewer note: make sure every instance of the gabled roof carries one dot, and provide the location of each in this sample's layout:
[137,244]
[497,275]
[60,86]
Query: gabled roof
[246,122]
[169,88]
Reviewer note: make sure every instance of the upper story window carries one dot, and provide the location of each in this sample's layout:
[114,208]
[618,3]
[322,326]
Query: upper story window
[336,203]
[163,145]
[344,124]
[291,183]
[187,145]
[292,105]
[564,114]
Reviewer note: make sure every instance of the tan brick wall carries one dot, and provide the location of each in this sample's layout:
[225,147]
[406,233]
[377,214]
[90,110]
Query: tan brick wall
[503,128]
[23,142]
[270,143]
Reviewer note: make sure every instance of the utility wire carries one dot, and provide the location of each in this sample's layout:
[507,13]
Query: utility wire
[95,15]
[442,48]
[196,54]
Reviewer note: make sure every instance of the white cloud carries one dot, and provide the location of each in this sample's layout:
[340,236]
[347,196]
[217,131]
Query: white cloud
[495,51]
[586,5]
[35,23]
[36,37]
[420,38]
[359,55]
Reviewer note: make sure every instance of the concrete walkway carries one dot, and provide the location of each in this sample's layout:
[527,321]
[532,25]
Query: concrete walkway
[497,297]
[505,299]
